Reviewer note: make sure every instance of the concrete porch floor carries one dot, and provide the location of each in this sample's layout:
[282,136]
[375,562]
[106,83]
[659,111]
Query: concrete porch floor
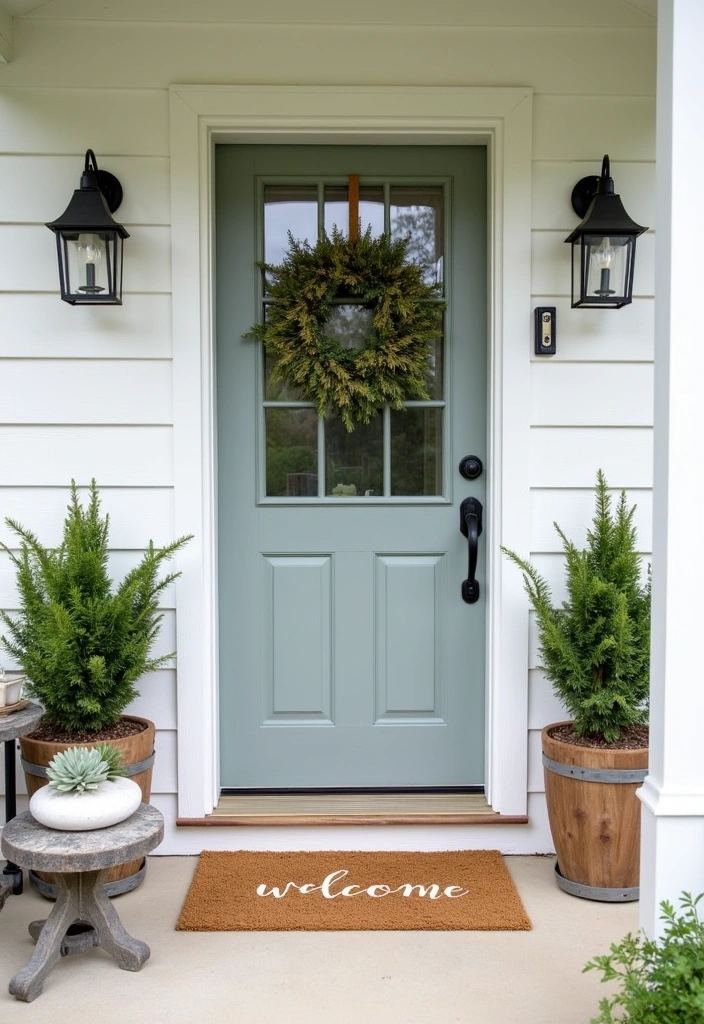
[324,977]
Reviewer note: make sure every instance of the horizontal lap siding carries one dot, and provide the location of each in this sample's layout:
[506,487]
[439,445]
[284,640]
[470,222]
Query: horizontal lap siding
[116,455]
[106,392]
[37,326]
[136,513]
[89,390]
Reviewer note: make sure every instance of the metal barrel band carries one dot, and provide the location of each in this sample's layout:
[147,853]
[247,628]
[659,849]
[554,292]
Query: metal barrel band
[130,769]
[575,771]
[627,894]
[117,888]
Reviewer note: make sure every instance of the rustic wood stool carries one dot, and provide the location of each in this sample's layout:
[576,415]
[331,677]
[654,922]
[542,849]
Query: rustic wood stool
[12,726]
[82,916]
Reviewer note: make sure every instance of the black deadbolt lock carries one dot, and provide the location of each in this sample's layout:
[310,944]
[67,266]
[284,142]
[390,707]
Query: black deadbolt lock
[471,467]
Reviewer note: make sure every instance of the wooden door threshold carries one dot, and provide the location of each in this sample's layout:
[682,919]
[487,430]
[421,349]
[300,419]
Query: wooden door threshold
[354,809]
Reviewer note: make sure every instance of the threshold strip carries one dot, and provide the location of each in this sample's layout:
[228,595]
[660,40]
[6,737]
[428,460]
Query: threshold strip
[353,809]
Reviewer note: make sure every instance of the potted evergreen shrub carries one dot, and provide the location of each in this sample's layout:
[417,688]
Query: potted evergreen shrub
[660,980]
[595,650]
[83,645]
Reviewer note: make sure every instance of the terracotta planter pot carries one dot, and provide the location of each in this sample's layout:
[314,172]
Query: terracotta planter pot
[594,817]
[138,757]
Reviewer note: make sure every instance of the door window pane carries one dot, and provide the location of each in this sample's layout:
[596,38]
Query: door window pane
[369,461]
[434,376]
[350,326]
[417,214]
[278,391]
[287,208]
[354,462]
[371,209]
[416,451]
[291,453]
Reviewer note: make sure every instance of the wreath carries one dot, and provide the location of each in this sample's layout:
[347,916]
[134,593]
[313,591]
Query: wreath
[392,362]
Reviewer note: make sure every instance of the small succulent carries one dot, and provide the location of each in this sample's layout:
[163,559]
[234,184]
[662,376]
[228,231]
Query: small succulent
[82,769]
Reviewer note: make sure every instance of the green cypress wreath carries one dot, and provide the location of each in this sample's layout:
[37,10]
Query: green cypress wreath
[391,365]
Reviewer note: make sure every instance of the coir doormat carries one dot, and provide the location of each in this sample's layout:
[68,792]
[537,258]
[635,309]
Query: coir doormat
[352,891]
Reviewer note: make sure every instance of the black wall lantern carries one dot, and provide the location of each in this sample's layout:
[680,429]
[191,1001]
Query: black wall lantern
[89,241]
[603,245]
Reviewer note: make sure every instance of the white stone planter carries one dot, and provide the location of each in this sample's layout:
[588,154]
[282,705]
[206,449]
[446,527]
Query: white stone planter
[11,691]
[79,812]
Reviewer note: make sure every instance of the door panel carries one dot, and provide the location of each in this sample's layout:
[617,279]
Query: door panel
[347,655]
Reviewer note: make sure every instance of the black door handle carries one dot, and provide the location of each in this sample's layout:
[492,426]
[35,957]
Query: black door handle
[471,526]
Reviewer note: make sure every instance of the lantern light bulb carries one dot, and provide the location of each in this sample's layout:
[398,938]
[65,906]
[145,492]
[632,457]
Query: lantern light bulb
[604,258]
[605,255]
[90,250]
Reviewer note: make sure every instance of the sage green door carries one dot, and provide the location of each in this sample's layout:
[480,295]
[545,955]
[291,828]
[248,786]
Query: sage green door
[348,657]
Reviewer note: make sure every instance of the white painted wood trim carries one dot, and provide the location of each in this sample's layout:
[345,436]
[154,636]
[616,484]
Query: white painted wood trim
[672,839]
[202,115]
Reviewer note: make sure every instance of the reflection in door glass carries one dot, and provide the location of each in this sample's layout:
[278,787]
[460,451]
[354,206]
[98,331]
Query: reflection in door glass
[354,462]
[416,214]
[371,209]
[416,451]
[278,391]
[434,376]
[291,453]
[350,326]
[287,208]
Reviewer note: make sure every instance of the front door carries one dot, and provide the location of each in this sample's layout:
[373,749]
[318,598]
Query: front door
[348,656]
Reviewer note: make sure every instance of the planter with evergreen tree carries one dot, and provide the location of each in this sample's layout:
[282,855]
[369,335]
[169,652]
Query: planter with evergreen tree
[595,650]
[83,645]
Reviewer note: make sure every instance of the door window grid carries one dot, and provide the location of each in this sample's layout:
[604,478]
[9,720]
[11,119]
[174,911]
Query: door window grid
[399,455]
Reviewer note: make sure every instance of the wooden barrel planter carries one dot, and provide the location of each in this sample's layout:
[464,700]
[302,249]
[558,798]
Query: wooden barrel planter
[138,756]
[594,817]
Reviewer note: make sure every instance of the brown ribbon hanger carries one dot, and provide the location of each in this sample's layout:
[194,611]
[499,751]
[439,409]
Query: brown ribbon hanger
[353,200]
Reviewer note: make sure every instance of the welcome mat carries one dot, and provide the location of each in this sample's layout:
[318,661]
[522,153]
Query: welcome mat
[468,890]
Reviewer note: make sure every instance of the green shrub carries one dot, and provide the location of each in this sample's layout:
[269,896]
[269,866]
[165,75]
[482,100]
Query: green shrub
[595,648]
[82,645]
[662,980]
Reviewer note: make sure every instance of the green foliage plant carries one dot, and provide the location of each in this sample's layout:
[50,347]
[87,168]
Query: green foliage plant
[82,643]
[392,363]
[595,648]
[84,769]
[661,980]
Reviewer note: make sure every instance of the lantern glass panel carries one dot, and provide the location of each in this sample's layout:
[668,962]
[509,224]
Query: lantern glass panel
[606,262]
[92,265]
[602,270]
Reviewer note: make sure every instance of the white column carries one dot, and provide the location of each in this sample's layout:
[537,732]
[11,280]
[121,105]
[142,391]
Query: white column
[672,848]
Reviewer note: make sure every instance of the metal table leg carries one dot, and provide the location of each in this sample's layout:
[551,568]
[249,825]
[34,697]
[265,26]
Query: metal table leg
[12,878]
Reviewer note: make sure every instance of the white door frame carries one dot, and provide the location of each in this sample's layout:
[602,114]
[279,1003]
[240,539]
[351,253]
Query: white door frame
[200,116]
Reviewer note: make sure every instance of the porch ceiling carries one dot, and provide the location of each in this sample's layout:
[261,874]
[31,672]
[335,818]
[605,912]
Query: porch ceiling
[538,13]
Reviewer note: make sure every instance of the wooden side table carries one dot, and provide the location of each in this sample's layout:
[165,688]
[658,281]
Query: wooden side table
[82,916]
[12,726]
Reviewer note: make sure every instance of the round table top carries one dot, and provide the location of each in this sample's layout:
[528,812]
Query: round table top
[19,723]
[31,845]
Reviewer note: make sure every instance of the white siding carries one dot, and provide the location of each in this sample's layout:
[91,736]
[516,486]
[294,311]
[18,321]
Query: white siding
[88,391]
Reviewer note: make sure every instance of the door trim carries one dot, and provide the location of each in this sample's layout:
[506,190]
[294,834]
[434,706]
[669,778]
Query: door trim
[501,119]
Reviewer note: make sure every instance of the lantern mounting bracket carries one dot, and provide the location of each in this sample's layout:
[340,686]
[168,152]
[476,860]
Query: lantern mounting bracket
[108,184]
[586,188]
[583,193]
